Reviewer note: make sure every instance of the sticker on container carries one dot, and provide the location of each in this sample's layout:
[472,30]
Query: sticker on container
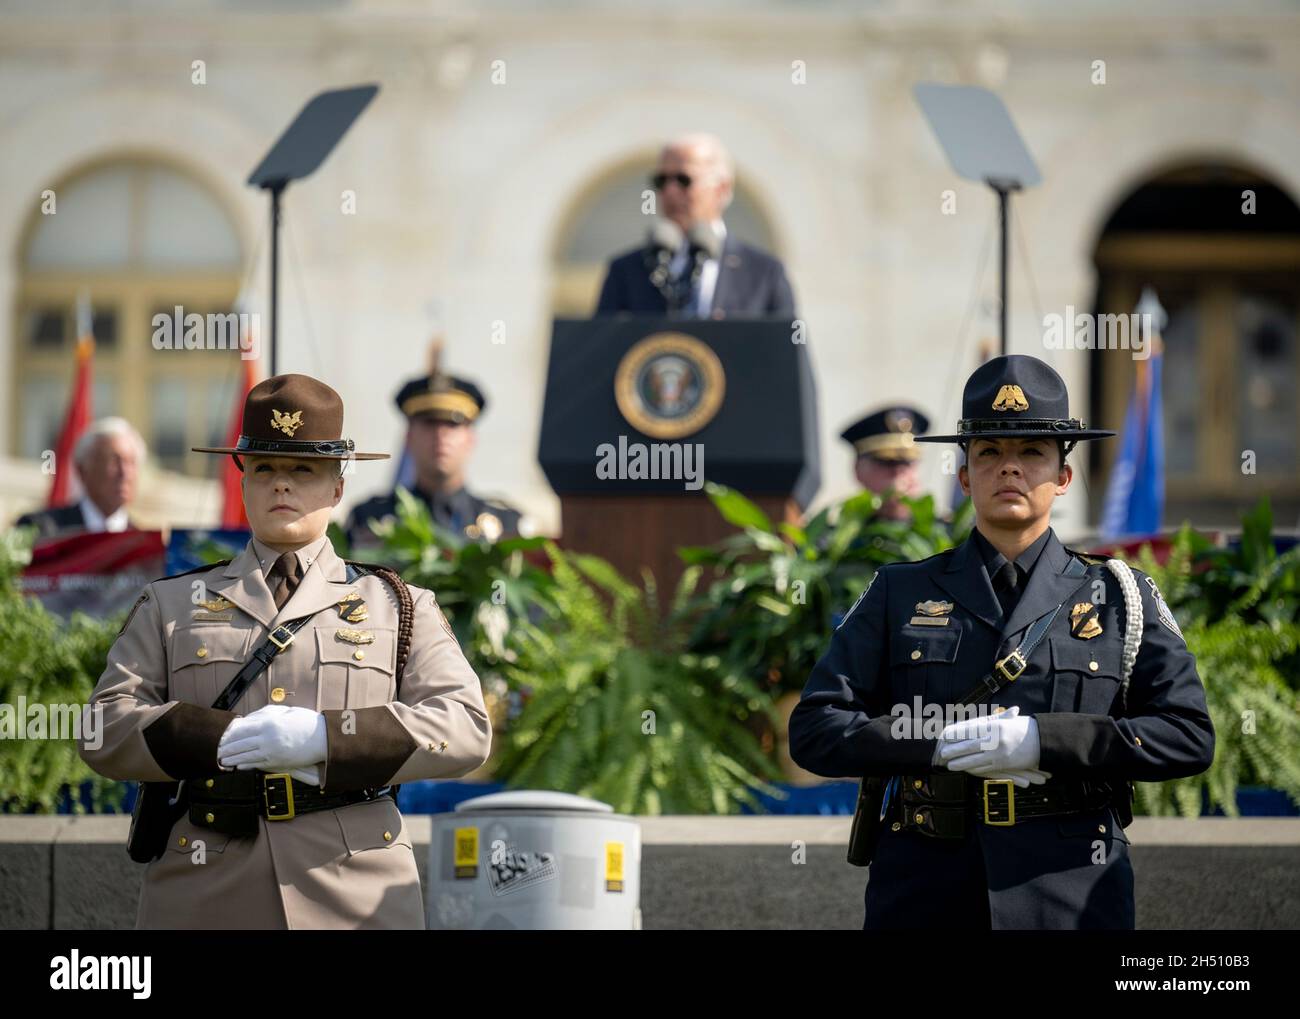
[466,853]
[613,866]
[512,869]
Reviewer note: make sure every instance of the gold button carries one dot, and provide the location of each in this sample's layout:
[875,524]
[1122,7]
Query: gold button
[1137,740]
[920,819]
[1093,666]
[183,841]
[1101,828]
[895,826]
[917,783]
[202,652]
[277,694]
[358,654]
[209,818]
[209,783]
[916,655]
[388,836]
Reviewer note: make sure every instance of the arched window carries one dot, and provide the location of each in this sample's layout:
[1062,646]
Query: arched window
[1228,279]
[607,220]
[139,238]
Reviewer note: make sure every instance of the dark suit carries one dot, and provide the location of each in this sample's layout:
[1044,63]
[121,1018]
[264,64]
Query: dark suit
[1040,872]
[751,284]
[54,523]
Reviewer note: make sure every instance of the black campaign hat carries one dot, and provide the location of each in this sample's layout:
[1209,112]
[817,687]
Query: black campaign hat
[888,433]
[446,397]
[1017,396]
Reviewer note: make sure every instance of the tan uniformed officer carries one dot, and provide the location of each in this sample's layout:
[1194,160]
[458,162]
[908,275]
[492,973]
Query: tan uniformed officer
[327,846]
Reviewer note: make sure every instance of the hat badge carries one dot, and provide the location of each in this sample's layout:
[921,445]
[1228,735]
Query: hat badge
[898,421]
[1011,398]
[287,423]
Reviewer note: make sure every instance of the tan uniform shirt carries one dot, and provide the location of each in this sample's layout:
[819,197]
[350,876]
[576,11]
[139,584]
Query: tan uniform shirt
[184,641]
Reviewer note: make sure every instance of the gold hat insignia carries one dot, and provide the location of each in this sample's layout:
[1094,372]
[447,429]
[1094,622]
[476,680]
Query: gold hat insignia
[287,423]
[356,636]
[1011,398]
[934,608]
[1083,623]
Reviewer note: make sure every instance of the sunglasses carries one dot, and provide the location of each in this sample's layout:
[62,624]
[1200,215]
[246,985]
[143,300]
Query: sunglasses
[660,180]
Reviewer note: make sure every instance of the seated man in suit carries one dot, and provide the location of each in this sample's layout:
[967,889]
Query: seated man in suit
[440,410]
[690,265]
[107,457]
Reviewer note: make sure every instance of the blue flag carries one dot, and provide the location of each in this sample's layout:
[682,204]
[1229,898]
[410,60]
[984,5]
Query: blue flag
[1135,497]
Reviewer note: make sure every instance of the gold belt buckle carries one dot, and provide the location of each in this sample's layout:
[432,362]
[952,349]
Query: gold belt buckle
[272,813]
[1010,806]
[1007,674]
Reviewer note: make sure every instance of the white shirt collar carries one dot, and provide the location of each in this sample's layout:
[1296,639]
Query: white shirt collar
[94,520]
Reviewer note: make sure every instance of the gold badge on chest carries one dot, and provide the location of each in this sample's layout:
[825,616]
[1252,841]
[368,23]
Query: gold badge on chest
[1084,621]
[934,608]
[356,636]
[216,609]
[352,609]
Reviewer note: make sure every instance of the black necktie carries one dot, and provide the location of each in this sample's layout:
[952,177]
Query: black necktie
[1006,583]
[283,578]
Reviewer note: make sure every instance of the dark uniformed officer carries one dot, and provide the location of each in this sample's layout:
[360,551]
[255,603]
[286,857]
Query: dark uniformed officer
[441,411]
[887,454]
[1009,820]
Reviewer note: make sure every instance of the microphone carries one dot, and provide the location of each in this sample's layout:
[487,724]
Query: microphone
[703,239]
[662,242]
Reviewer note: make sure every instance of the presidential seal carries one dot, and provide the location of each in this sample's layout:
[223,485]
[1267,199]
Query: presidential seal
[669,385]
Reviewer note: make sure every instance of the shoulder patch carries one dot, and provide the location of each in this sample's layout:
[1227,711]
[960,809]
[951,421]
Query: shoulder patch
[1163,612]
[854,606]
[131,615]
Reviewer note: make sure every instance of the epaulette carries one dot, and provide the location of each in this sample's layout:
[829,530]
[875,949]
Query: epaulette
[1088,557]
[198,569]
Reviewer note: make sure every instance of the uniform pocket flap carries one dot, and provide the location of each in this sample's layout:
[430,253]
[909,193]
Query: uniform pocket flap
[913,648]
[198,645]
[1090,657]
[362,649]
[376,824]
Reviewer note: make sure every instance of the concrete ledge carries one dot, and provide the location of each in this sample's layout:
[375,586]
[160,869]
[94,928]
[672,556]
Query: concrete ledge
[73,873]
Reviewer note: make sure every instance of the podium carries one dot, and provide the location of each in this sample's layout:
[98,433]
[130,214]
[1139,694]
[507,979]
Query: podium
[640,411]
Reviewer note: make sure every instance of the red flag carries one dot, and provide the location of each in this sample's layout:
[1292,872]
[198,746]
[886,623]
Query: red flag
[79,411]
[232,497]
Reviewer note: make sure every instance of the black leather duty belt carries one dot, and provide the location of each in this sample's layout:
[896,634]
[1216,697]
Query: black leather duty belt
[940,803]
[232,802]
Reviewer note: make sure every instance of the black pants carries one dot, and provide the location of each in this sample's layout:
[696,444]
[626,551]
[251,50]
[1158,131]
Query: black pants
[918,882]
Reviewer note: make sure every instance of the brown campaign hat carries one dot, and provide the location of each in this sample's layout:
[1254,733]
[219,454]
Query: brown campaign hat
[293,415]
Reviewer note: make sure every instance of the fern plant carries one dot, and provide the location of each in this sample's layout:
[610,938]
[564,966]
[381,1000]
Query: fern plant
[47,660]
[618,710]
[1232,607]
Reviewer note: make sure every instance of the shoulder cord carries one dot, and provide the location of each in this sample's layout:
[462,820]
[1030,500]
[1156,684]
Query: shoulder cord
[405,608]
[1133,622]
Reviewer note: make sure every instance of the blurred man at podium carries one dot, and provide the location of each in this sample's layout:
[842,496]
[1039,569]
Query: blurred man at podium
[689,265]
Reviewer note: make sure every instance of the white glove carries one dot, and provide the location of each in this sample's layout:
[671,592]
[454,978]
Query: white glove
[309,774]
[1005,742]
[274,738]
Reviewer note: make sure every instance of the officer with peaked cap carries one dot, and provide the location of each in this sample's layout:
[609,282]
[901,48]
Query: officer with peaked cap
[440,410]
[1012,819]
[887,454]
[289,794]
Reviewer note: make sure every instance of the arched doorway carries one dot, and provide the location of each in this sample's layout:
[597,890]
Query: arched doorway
[138,237]
[1229,280]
